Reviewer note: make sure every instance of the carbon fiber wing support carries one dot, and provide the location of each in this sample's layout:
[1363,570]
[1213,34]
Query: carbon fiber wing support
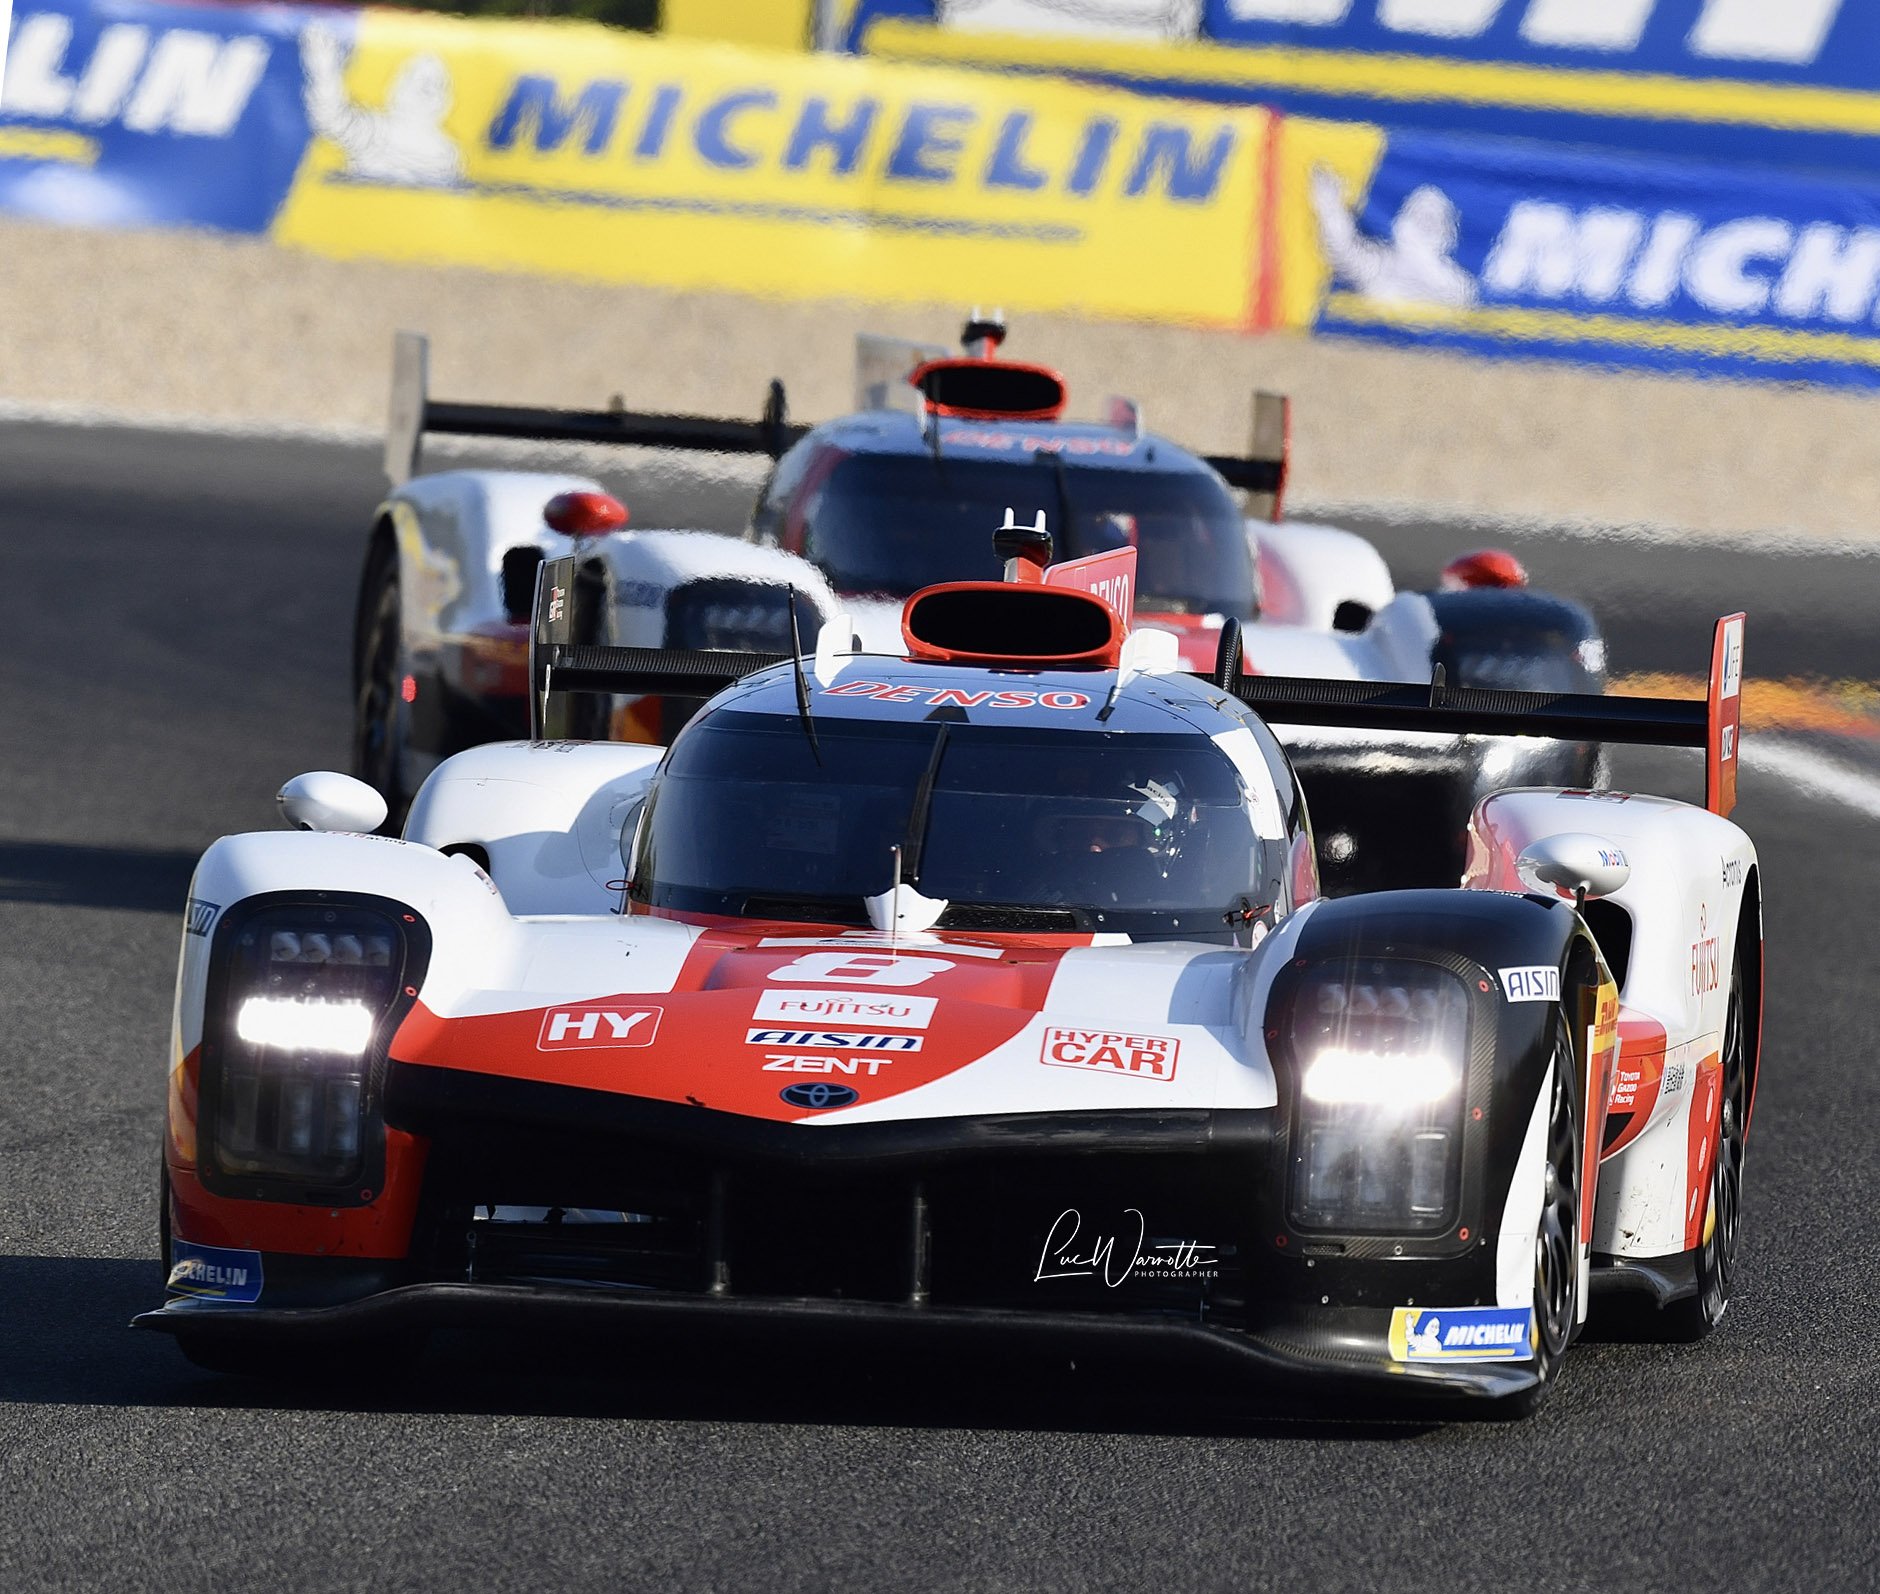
[562,663]
[414,413]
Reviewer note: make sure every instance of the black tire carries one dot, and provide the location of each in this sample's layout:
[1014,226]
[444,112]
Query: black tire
[377,645]
[1714,1260]
[1556,1238]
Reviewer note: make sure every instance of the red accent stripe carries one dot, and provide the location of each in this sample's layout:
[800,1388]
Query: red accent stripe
[1264,315]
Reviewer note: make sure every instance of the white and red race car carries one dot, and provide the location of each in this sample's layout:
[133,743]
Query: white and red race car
[979,988]
[861,511]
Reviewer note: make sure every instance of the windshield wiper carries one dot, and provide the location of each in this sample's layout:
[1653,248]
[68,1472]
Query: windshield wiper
[923,803]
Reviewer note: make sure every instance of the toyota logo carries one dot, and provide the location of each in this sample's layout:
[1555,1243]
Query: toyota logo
[819,1095]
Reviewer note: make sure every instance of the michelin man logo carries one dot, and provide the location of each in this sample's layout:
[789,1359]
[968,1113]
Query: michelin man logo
[1414,266]
[405,143]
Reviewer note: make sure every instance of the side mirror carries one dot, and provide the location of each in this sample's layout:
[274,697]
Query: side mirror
[1574,864]
[327,800]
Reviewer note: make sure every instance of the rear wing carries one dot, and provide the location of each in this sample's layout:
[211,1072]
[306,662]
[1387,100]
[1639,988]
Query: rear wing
[1261,474]
[560,665]
[1713,722]
[414,413]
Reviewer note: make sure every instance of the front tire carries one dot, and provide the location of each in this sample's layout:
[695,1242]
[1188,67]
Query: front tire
[1557,1235]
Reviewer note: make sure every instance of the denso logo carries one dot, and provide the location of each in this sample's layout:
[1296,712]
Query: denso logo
[595,1024]
[1791,32]
[177,80]
[1140,1056]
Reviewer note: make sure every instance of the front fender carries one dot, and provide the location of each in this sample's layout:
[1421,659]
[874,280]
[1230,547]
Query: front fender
[1521,961]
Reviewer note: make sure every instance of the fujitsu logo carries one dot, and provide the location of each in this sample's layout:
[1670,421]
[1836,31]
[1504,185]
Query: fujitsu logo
[594,1024]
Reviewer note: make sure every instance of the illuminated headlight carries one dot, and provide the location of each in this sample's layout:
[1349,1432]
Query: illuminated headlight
[1341,1078]
[1382,1049]
[305,1024]
[291,1095]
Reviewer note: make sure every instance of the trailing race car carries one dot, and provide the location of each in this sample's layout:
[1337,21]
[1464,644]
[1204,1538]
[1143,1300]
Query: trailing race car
[862,511]
[978,989]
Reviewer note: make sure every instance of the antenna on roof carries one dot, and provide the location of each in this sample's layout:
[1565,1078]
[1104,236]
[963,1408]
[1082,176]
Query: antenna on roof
[983,333]
[802,681]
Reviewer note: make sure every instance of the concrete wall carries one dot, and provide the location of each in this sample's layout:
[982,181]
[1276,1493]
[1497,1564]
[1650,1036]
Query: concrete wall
[180,325]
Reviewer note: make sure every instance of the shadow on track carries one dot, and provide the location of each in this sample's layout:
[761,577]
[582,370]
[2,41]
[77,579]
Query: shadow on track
[137,879]
[62,1325]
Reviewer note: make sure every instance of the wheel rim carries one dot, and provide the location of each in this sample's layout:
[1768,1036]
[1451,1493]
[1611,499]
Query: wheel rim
[1726,1183]
[375,714]
[1556,1248]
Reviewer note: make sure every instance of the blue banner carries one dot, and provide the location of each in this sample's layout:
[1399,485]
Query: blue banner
[1512,248]
[119,113]
[1773,82]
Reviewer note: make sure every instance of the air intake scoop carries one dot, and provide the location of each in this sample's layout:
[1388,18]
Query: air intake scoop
[1017,624]
[990,390]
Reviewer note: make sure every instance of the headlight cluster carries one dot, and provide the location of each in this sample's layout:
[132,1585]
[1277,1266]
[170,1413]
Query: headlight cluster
[1381,1047]
[307,989]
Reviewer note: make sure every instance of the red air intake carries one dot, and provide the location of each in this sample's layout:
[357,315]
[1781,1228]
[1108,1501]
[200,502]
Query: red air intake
[998,622]
[585,514]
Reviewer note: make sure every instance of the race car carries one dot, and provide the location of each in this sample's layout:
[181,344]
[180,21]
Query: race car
[861,511]
[976,993]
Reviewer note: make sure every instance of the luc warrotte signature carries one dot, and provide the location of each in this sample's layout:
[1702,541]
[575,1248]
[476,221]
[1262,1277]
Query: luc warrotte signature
[1067,1254]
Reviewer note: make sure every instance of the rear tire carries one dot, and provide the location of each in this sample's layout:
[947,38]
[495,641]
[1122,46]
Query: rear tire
[378,737]
[1714,1260]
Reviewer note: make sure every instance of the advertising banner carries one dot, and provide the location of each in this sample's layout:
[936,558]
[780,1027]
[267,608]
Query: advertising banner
[577,150]
[119,113]
[584,151]
[1773,82]
[1514,248]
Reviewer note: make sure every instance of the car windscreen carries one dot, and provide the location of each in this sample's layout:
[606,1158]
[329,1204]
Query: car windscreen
[1086,830]
[892,524]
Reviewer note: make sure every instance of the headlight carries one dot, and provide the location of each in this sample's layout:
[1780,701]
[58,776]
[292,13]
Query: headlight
[1381,1047]
[288,1090]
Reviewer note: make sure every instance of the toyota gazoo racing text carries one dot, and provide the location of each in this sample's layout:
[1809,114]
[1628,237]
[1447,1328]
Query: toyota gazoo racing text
[860,512]
[1004,948]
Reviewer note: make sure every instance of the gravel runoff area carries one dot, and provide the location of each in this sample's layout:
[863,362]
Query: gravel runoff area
[200,327]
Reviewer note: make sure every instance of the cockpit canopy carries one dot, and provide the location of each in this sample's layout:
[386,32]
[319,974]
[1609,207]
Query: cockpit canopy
[1018,827]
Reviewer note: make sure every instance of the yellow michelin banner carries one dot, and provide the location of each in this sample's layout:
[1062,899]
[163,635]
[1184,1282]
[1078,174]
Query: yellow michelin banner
[574,149]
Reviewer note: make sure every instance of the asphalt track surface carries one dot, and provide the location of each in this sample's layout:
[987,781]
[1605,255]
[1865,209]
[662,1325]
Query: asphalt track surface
[174,615]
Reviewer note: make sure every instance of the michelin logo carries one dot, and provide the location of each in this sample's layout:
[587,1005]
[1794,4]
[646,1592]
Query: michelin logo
[1655,264]
[212,1273]
[405,143]
[1413,266]
[1462,1334]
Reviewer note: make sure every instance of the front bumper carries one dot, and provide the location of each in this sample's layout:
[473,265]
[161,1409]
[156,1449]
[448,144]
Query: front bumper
[1303,1364]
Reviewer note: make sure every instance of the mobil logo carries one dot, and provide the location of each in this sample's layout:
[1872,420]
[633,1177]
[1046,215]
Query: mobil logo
[596,1024]
[1111,1052]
